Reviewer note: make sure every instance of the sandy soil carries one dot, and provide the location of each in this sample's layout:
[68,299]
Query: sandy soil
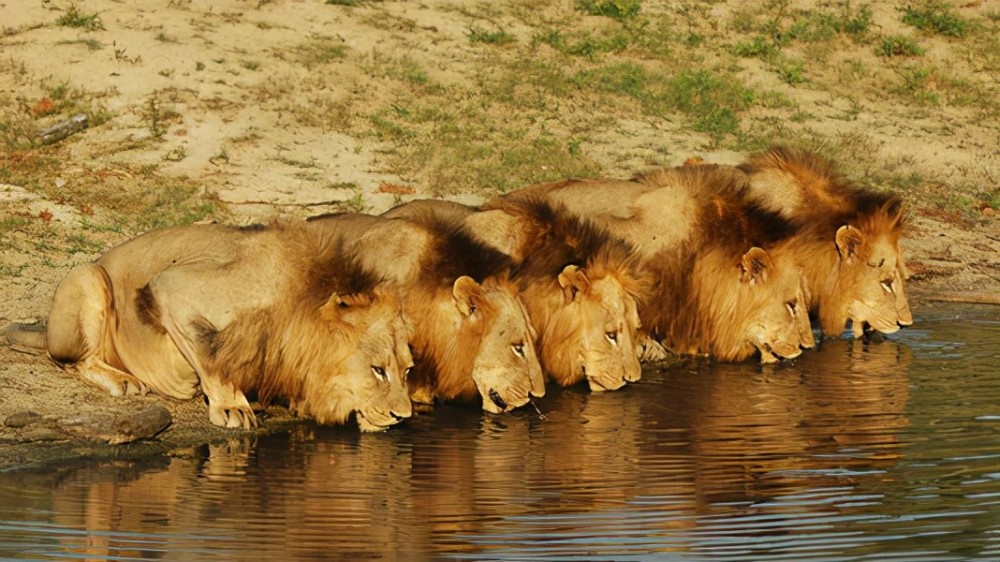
[232,86]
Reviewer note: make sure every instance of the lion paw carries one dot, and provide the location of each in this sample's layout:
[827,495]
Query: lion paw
[114,381]
[232,416]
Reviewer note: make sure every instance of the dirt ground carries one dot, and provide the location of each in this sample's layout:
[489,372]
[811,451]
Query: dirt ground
[217,94]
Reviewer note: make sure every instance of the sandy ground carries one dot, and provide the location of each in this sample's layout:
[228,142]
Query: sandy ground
[232,89]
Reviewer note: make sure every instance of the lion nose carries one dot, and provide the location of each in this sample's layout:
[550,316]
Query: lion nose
[497,399]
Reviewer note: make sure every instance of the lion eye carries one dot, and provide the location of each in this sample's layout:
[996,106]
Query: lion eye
[518,349]
[379,373]
[612,337]
[792,306]
[887,285]
[406,373]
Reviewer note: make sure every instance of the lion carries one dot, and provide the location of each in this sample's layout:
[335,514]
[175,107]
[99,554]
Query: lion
[579,284]
[472,336]
[719,285]
[847,239]
[225,311]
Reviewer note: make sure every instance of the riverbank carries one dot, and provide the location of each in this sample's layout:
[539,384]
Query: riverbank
[357,105]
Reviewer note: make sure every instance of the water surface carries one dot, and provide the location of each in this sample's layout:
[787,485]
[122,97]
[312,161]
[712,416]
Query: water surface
[884,450]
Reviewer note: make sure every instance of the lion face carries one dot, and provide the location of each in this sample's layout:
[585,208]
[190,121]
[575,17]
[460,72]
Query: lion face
[368,343]
[505,367]
[592,332]
[870,282]
[772,315]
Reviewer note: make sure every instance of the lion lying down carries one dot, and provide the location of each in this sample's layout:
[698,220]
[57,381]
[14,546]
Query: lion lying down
[472,335]
[578,282]
[225,310]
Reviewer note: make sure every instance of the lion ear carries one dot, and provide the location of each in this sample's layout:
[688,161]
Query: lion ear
[338,303]
[467,294]
[501,231]
[849,241]
[755,265]
[573,281]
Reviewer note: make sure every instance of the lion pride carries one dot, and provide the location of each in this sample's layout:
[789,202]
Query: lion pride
[471,336]
[226,310]
[578,283]
[847,239]
[719,284]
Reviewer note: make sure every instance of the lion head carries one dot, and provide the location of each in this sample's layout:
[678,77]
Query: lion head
[757,306]
[367,340]
[347,354]
[589,330]
[483,342]
[868,288]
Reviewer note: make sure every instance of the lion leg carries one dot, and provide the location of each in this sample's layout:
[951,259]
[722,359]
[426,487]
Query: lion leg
[80,310]
[77,331]
[115,381]
[227,405]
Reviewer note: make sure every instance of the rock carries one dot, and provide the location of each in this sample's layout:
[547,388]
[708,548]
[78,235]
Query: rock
[119,429]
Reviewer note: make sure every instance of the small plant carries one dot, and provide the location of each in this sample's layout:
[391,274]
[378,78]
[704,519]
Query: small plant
[935,16]
[319,50]
[616,9]
[758,47]
[899,46]
[498,37]
[791,72]
[73,17]
[584,44]
[343,2]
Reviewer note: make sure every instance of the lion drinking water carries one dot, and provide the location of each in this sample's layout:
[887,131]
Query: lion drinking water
[276,310]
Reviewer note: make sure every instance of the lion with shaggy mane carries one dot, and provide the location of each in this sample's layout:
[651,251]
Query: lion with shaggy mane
[226,311]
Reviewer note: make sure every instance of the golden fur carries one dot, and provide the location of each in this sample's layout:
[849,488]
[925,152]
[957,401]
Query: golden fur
[472,335]
[721,285]
[846,239]
[228,311]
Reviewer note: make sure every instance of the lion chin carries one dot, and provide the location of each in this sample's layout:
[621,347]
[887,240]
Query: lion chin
[774,352]
[374,423]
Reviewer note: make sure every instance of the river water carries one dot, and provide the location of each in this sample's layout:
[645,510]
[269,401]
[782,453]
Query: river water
[886,450]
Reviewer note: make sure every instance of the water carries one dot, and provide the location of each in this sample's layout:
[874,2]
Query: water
[880,451]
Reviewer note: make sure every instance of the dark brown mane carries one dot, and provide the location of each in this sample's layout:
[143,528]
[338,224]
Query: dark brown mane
[560,238]
[829,200]
[457,252]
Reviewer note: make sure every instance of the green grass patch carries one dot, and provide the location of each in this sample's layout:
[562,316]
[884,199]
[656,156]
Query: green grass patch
[899,46]
[616,9]
[495,37]
[710,101]
[936,17]
[73,17]
[585,43]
